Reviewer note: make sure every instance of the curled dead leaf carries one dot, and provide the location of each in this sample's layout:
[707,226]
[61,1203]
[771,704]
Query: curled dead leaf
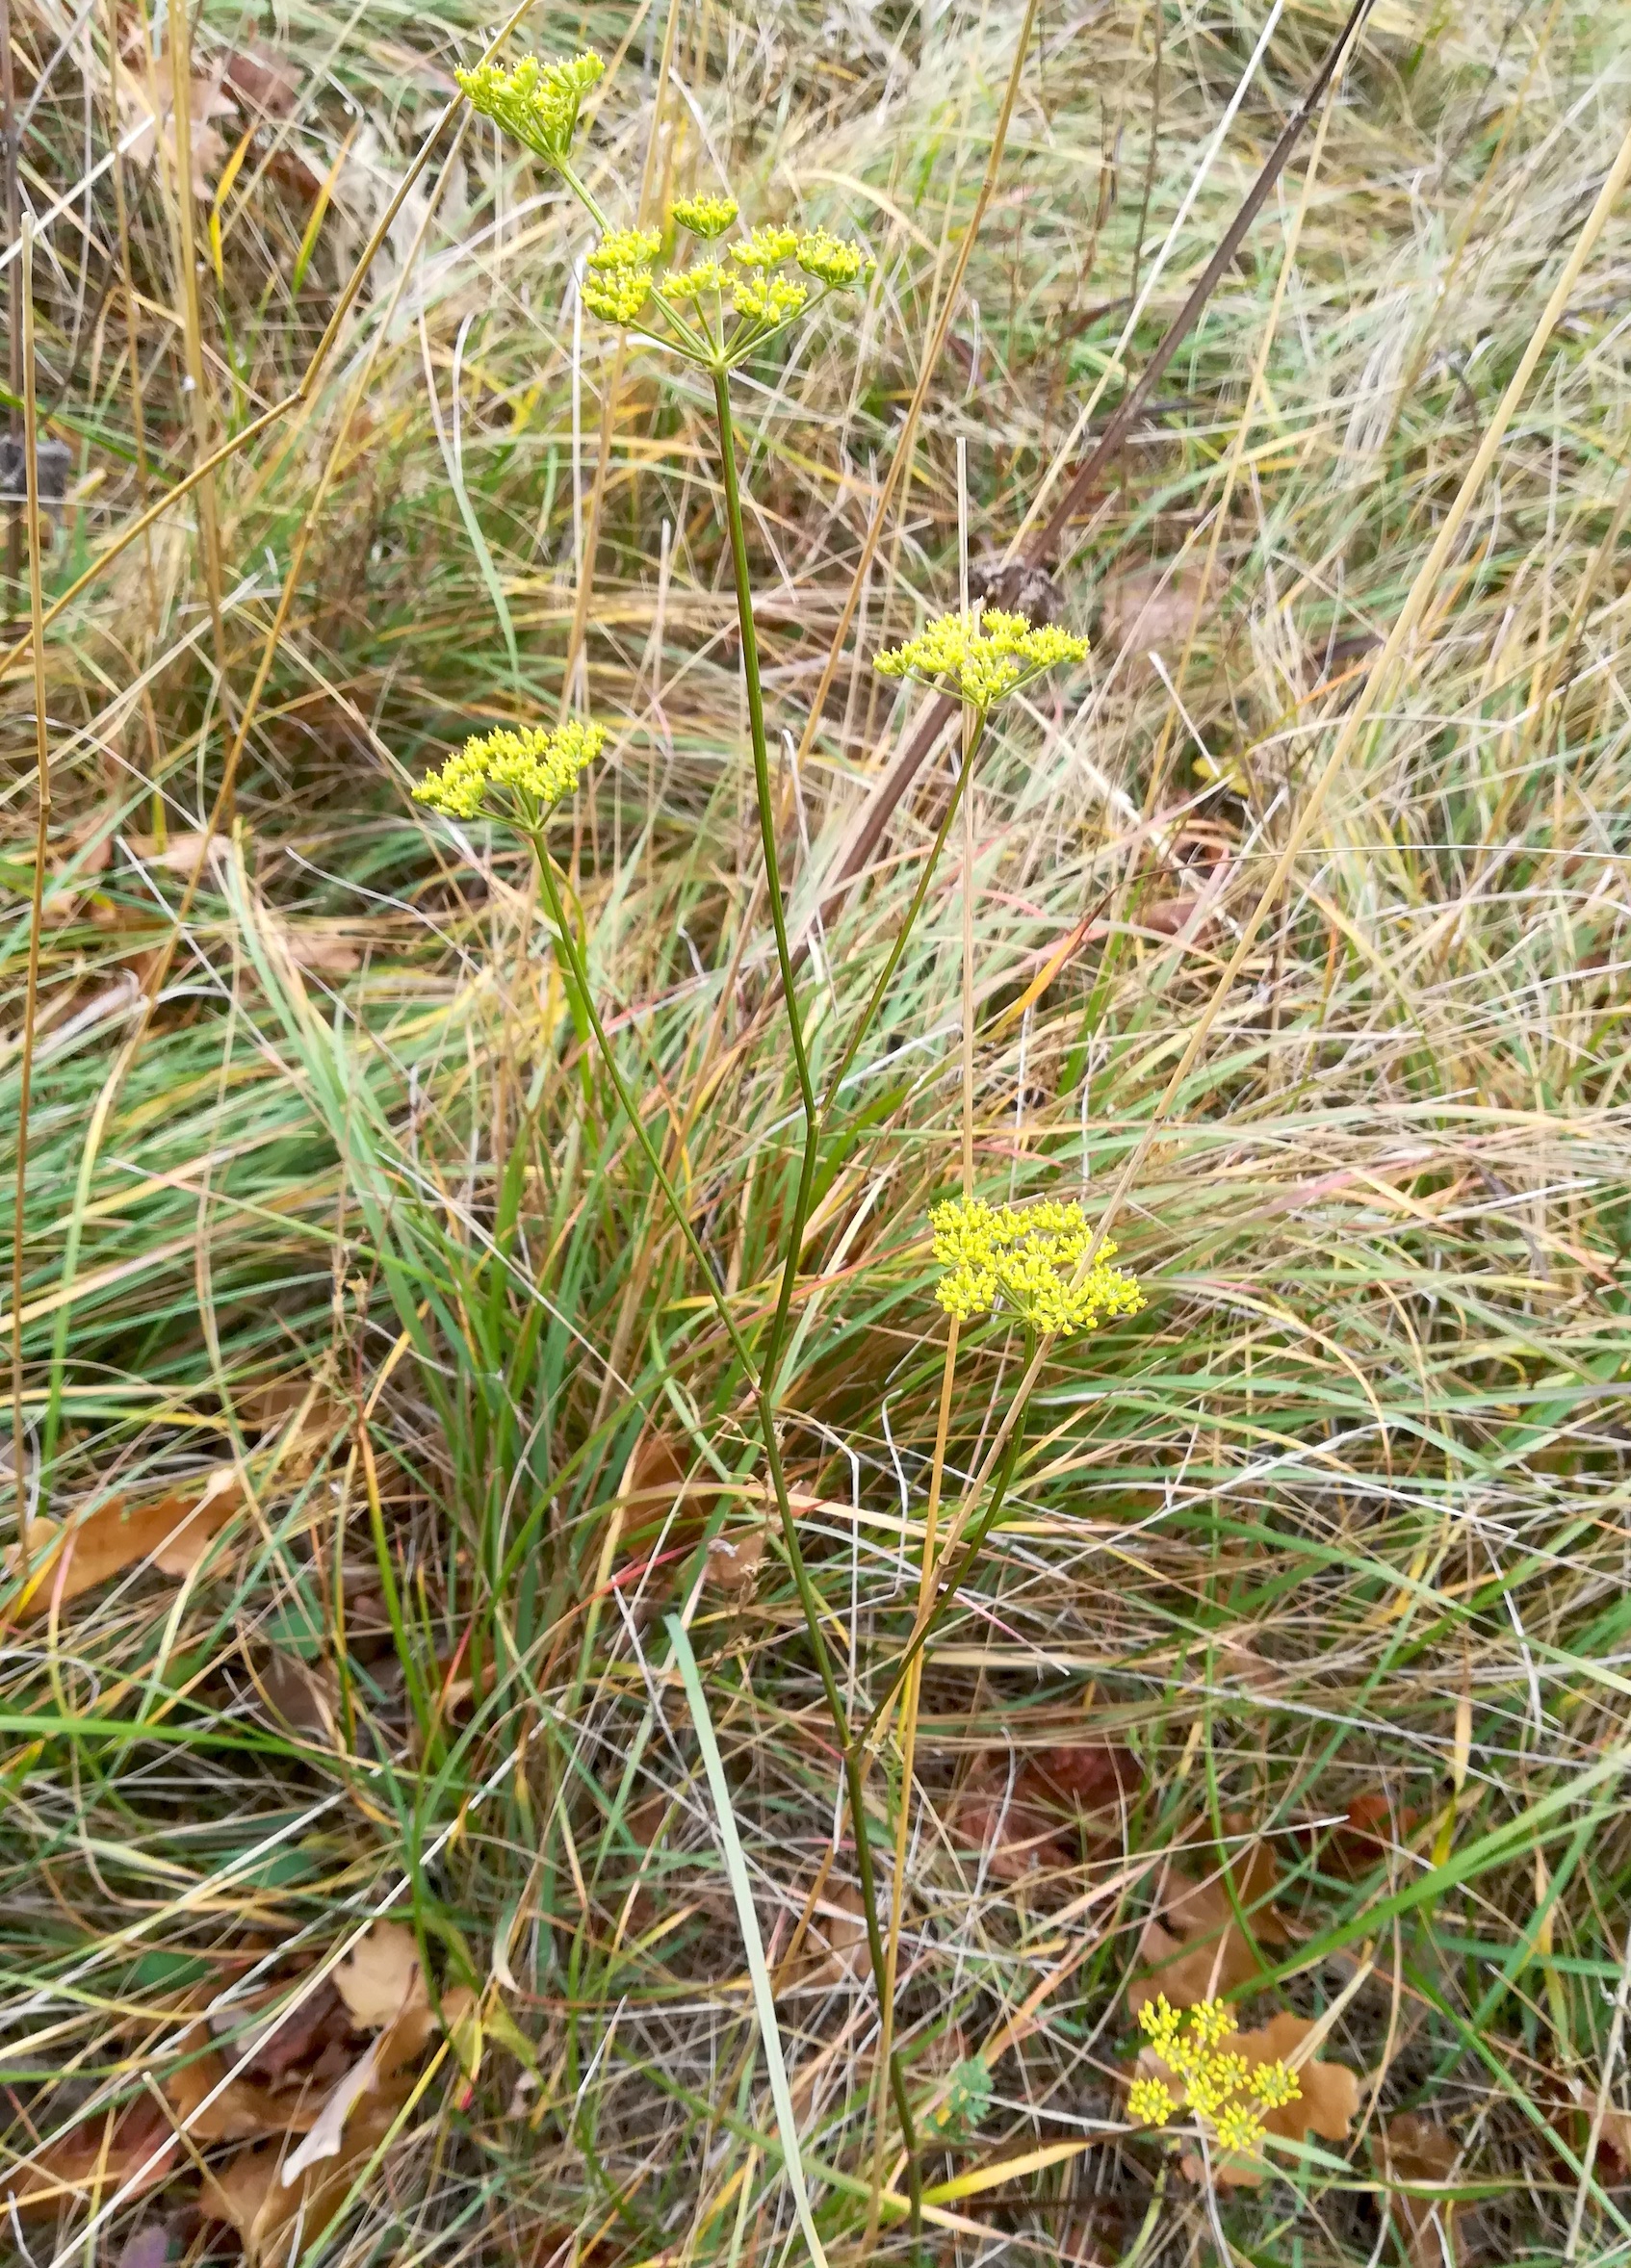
[1143,609]
[188,852]
[250,2194]
[1014,1831]
[380,1978]
[733,1558]
[265,82]
[302,1696]
[173,1532]
[144,91]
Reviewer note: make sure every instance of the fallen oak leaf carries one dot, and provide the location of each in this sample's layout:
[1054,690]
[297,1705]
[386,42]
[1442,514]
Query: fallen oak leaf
[1196,1949]
[173,1532]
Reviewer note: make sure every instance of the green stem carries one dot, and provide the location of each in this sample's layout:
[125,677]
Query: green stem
[772,874]
[853,1752]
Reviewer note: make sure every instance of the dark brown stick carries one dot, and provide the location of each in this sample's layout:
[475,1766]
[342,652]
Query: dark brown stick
[1049,540]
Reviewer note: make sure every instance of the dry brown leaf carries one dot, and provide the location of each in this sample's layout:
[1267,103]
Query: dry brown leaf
[145,94]
[319,952]
[137,2148]
[1614,2142]
[172,1531]
[380,1979]
[186,853]
[1372,1828]
[837,1938]
[244,2111]
[1017,1833]
[250,2194]
[302,1696]
[1196,1948]
[1142,609]
[733,1558]
[267,83]
[1415,2151]
[1087,1776]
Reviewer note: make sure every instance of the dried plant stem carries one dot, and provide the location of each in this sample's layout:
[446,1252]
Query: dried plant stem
[41,844]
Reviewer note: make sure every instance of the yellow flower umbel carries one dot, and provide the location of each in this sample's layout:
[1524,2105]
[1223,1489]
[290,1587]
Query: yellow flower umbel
[1030,1259]
[981,658]
[537,102]
[705,216]
[515,776]
[1223,2090]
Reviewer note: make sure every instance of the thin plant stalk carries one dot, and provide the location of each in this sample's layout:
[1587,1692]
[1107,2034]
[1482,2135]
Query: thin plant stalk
[853,1766]
[37,900]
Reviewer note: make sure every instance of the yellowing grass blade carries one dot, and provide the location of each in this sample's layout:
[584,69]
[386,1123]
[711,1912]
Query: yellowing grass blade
[1007,2169]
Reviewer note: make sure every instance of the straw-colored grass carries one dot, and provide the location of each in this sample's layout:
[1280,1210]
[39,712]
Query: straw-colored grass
[326,1188]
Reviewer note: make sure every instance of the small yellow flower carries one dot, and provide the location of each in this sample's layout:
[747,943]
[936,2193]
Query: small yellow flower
[981,658]
[1150,2104]
[831,261]
[1276,2084]
[619,296]
[706,216]
[766,248]
[683,284]
[1238,2128]
[1220,2087]
[624,248]
[1029,1258]
[537,102]
[512,775]
[771,301]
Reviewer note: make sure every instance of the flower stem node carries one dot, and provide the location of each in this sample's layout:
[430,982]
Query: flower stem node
[981,658]
[515,776]
[706,216]
[537,102]
[1029,1258]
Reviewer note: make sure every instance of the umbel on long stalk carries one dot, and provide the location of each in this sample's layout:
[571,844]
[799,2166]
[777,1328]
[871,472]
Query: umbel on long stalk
[724,294]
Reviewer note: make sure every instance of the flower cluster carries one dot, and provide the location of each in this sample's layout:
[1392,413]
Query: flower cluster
[705,216]
[1032,1259]
[617,282]
[1224,2089]
[981,658]
[537,102]
[526,772]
